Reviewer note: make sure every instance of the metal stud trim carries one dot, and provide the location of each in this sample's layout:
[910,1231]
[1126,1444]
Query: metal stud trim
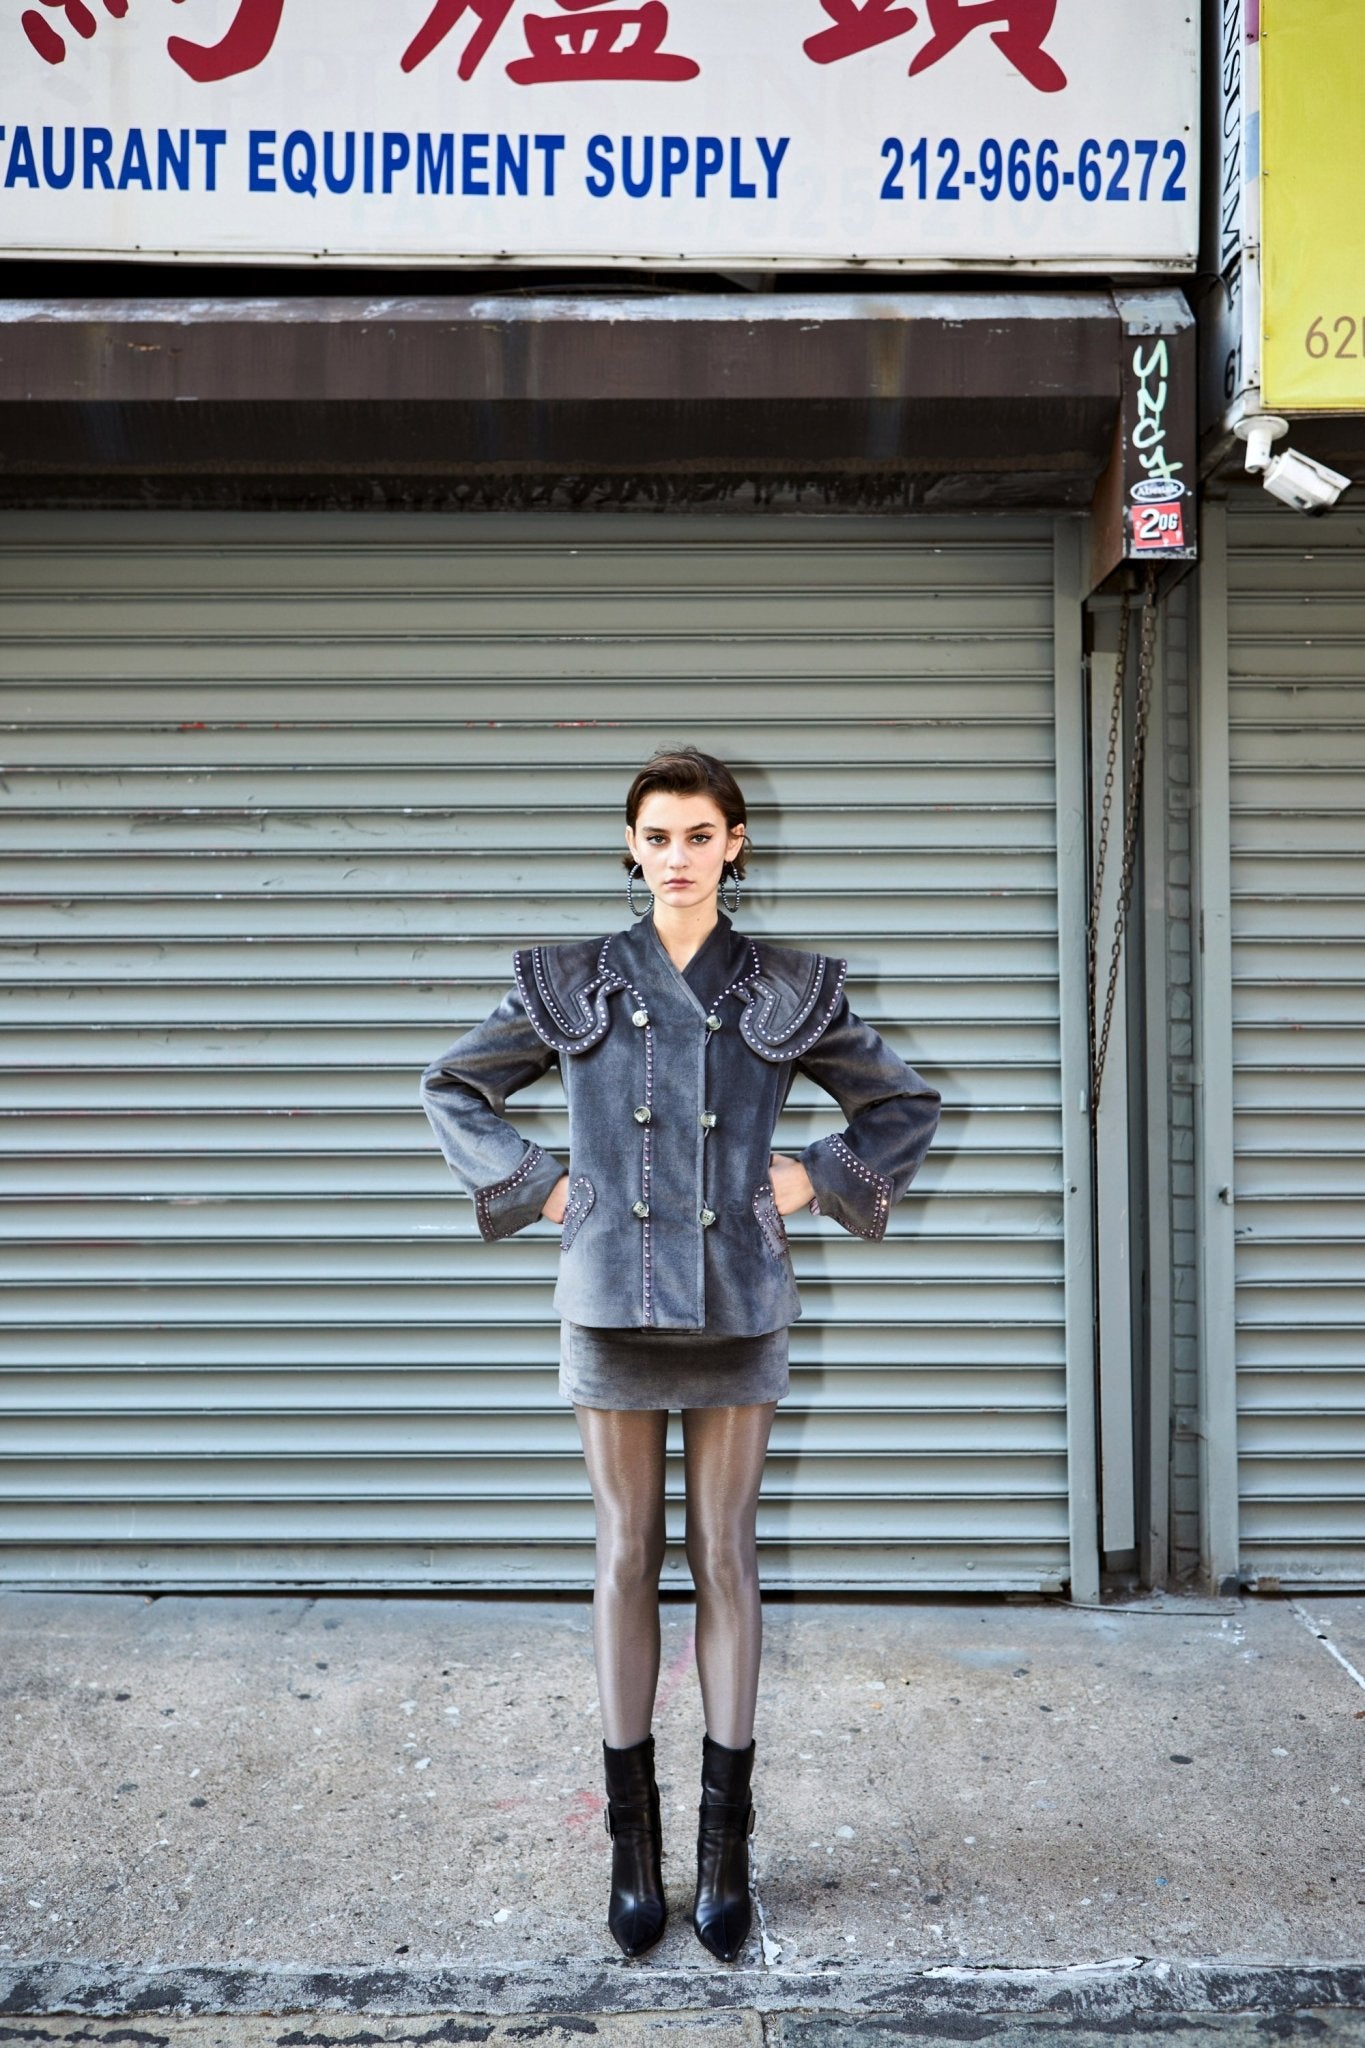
[488,1229]
[770,1221]
[641,1208]
[766,1050]
[878,1182]
[603,985]
[582,1195]
[646,1173]
[740,986]
[546,992]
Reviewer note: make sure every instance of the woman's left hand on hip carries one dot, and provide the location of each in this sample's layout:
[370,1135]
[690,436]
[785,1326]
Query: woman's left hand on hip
[792,1188]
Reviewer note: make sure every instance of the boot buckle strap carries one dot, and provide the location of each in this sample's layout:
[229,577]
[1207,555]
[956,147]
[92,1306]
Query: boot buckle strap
[728,1811]
[615,1816]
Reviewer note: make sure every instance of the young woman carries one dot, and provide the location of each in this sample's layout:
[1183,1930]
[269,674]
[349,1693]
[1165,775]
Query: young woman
[677,1042]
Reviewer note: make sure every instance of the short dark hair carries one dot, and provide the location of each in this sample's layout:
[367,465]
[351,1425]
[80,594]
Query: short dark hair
[686,771]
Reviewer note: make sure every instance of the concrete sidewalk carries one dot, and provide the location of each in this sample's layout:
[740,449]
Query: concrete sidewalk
[258,1804]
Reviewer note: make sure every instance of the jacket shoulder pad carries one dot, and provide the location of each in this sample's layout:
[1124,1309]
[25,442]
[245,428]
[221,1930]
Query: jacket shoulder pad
[565,990]
[792,1000]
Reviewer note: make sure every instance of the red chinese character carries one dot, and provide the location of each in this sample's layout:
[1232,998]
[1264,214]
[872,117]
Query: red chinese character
[602,42]
[246,44]
[44,36]
[490,15]
[858,25]
[1024,24]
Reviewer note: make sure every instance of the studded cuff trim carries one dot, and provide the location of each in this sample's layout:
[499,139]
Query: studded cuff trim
[871,1196]
[499,1218]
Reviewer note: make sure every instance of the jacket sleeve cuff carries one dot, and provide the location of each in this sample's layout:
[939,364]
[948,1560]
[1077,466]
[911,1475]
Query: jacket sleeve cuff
[852,1193]
[509,1205]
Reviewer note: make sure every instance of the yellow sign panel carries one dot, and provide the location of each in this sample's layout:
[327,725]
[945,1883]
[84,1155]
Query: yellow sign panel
[1313,205]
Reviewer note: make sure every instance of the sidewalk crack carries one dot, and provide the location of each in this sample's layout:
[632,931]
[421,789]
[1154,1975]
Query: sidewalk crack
[771,1947]
[1321,1636]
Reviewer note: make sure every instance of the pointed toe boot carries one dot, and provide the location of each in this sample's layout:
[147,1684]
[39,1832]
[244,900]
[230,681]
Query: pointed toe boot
[636,1910]
[721,1912]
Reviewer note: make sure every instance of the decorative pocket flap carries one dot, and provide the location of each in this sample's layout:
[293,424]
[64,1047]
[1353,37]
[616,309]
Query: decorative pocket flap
[770,1221]
[582,1195]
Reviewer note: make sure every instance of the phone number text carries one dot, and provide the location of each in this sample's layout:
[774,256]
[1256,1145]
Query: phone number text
[1145,168]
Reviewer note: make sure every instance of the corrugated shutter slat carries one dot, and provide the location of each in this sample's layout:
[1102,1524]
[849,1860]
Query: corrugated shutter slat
[282,792]
[1296,654]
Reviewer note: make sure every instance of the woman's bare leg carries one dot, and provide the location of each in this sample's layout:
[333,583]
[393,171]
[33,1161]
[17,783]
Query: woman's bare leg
[624,1449]
[723,1451]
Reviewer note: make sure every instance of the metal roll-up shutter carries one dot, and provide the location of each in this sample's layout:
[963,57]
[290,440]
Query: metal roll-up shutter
[1296,694]
[284,791]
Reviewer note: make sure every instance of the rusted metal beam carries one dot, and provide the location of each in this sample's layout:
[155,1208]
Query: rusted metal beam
[943,397]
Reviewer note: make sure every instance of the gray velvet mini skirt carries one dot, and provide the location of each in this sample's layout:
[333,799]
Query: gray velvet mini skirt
[670,1368]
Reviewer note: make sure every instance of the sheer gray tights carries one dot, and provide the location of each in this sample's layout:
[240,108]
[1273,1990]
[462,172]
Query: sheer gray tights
[723,1453]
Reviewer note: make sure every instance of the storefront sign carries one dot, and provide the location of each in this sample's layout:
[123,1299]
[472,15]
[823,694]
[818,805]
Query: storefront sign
[1312,221]
[1145,506]
[1230,359]
[1049,134]
[1158,500]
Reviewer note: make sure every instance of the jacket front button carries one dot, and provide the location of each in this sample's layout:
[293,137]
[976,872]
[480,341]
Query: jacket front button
[708,1217]
[708,1120]
[640,1209]
[642,1114]
[639,1017]
[713,1022]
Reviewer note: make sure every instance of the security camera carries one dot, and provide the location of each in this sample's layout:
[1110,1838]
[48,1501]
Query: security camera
[1296,480]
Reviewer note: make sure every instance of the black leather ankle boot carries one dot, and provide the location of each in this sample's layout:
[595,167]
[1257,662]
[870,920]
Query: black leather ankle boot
[636,1910]
[721,1912]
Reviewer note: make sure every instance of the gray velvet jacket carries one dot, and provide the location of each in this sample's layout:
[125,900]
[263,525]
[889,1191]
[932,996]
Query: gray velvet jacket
[674,1084]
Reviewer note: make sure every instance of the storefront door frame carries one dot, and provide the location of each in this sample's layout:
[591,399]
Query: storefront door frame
[1219,1535]
[1077,1162]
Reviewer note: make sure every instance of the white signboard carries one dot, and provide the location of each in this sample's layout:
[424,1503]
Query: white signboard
[1048,134]
[1230,322]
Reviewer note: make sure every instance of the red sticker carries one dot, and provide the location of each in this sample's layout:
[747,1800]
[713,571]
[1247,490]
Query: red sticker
[1158,526]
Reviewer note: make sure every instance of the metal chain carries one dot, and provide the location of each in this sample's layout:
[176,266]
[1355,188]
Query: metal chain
[1106,809]
[1146,654]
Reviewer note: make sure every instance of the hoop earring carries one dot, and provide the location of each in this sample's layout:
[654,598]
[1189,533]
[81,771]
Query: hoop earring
[733,879]
[635,909]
